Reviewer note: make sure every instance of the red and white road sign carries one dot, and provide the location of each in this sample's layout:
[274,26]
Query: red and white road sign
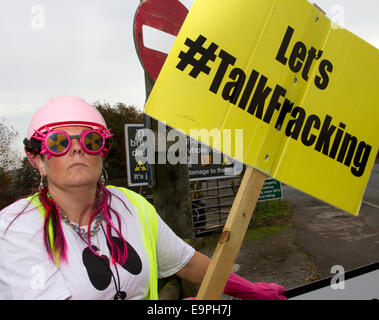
[165,16]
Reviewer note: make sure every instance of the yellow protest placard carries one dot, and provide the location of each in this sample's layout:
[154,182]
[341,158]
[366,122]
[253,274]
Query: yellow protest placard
[303,91]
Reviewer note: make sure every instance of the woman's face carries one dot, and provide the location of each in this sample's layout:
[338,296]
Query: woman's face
[76,168]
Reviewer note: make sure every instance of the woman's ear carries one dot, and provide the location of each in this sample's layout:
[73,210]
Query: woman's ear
[37,162]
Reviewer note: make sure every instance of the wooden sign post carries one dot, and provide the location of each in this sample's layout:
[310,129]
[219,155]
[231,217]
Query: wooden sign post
[232,235]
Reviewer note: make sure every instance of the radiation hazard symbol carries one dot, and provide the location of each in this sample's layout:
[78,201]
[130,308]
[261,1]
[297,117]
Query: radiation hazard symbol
[140,167]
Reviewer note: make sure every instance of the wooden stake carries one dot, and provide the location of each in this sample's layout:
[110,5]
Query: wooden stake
[232,236]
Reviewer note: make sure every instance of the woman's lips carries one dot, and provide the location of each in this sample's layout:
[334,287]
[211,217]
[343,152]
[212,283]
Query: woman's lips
[78,164]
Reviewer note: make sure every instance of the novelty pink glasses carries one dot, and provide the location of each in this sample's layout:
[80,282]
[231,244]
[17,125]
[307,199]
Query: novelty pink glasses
[58,142]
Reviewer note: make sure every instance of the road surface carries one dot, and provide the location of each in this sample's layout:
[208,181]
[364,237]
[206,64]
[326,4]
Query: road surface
[332,237]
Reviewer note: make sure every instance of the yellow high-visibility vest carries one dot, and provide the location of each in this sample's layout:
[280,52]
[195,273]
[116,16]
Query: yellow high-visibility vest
[149,224]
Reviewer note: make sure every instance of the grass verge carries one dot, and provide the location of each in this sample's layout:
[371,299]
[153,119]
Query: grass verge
[267,220]
[269,217]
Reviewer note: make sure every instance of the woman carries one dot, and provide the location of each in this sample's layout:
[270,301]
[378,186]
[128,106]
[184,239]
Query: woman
[77,239]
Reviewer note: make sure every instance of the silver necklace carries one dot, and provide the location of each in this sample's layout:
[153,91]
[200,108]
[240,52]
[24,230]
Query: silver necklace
[82,231]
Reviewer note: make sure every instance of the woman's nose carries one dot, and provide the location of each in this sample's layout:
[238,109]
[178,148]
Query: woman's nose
[75,146]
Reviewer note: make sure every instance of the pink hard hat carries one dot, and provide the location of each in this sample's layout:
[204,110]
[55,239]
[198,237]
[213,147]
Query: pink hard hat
[63,111]
[59,112]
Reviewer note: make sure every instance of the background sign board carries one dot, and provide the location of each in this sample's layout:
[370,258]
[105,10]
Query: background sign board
[304,92]
[203,169]
[136,172]
[358,284]
[272,190]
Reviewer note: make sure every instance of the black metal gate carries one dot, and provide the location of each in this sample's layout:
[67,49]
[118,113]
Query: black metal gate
[211,203]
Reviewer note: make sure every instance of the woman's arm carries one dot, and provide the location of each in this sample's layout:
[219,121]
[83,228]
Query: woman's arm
[194,271]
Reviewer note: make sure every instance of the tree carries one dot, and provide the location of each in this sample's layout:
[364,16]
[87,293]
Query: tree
[26,180]
[9,160]
[5,196]
[116,117]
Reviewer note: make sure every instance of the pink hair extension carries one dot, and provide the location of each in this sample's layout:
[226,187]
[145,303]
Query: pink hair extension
[124,245]
[47,205]
[117,216]
[89,232]
[52,214]
[60,241]
[117,255]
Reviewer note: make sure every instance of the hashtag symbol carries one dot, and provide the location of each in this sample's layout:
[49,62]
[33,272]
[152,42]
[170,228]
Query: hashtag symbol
[188,58]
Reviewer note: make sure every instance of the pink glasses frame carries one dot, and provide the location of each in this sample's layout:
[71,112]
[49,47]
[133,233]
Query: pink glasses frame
[43,137]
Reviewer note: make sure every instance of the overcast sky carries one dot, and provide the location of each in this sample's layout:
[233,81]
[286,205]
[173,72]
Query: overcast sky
[86,48]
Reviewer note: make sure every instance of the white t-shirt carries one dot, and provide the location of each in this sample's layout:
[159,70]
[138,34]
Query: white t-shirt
[26,272]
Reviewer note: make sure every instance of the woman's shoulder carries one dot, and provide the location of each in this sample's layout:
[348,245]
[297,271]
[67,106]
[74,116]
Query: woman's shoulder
[121,190]
[16,206]
[23,209]
[125,192]
[130,197]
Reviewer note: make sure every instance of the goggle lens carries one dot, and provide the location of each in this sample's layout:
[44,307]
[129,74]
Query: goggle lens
[93,142]
[58,143]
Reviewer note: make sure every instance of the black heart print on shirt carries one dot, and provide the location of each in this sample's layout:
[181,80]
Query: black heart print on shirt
[98,268]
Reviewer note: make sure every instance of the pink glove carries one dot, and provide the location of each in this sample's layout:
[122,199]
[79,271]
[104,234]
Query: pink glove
[239,287]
